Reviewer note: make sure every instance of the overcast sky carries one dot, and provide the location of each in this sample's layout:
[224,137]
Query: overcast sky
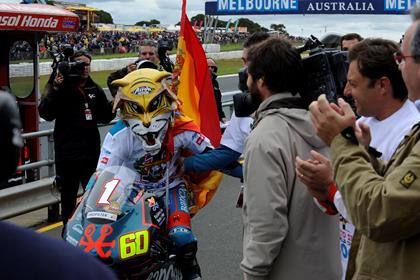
[169,11]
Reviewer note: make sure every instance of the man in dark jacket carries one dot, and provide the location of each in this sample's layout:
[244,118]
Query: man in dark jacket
[77,104]
[217,94]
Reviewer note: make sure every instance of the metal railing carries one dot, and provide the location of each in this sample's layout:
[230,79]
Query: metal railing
[28,197]
[36,165]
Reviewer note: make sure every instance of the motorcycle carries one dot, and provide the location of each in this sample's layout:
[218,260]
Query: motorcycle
[124,226]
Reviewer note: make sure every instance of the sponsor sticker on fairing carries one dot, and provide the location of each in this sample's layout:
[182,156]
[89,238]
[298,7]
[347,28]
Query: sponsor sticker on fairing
[102,215]
[72,240]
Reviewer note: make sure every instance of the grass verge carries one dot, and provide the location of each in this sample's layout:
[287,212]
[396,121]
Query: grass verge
[22,86]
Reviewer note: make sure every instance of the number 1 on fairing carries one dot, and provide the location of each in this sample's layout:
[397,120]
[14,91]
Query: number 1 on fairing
[108,189]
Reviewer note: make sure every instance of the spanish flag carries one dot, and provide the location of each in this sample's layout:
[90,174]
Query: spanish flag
[195,89]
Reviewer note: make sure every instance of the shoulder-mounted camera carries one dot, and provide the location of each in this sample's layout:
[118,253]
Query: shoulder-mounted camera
[165,45]
[325,72]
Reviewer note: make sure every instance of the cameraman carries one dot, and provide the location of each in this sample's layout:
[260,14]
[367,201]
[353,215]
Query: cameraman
[165,45]
[216,89]
[148,51]
[77,104]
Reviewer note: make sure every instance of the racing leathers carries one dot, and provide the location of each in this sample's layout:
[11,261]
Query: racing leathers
[122,147]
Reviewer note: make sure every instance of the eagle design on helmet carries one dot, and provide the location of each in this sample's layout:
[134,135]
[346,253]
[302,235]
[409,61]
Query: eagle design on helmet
[147,105]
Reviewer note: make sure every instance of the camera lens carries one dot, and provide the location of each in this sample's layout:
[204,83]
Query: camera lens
[243,105]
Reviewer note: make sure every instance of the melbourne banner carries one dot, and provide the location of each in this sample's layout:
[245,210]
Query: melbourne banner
[249,7]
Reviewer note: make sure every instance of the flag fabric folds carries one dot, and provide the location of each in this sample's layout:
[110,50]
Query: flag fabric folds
[195,89]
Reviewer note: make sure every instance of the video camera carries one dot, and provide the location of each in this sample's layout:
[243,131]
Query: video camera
[165,45]
[325,72]
[71,71]
[63,53]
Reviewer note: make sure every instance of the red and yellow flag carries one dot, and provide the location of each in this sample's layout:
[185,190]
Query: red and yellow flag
[195,89]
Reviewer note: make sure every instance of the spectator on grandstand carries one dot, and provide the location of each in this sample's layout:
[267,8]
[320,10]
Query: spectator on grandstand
[349,40]
[110,40]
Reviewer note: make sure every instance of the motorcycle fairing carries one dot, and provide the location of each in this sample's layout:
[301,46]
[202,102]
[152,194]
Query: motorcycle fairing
[125,243]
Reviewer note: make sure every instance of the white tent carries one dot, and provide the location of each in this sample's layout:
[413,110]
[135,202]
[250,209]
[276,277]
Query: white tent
[173,28]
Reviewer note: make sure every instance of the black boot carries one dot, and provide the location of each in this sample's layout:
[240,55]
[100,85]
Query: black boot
[188,262]
[191,271]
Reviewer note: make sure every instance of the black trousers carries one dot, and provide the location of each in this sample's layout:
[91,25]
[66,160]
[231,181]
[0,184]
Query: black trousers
[70,174]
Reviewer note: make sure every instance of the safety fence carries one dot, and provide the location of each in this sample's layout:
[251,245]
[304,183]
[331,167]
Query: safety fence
[31,196]
[26,69]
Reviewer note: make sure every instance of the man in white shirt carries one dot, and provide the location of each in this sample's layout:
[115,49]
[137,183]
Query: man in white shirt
[380,95]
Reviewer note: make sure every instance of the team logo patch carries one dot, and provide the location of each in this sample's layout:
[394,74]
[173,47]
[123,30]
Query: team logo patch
[199,140]
[142,90]
[408,179]
[104,160]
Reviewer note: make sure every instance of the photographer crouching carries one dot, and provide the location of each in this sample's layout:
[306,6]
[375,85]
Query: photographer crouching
[77,104]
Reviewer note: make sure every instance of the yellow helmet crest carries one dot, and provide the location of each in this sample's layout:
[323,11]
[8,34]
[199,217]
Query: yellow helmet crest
[147,105]
[145,93]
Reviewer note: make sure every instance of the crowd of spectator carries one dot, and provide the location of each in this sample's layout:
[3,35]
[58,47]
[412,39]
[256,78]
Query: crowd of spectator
[102,42]
[108,42]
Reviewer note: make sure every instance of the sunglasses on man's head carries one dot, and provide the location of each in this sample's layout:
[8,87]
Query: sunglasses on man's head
[149,53]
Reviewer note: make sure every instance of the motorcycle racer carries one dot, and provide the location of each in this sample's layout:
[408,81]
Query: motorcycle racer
[149,138]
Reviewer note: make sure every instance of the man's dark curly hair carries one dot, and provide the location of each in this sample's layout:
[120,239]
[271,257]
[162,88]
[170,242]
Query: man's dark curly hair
[277,62]
[256,38]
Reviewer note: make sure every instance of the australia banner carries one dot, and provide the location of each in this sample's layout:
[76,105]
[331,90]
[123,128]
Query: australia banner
[253,7]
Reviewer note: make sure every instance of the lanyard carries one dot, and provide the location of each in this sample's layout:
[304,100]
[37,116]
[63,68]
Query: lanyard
[88,112]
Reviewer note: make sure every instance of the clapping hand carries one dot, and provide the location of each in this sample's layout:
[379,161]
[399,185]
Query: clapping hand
[330,119]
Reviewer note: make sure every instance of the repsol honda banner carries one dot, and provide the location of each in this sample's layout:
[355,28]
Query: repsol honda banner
[36,17]
[252,7]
